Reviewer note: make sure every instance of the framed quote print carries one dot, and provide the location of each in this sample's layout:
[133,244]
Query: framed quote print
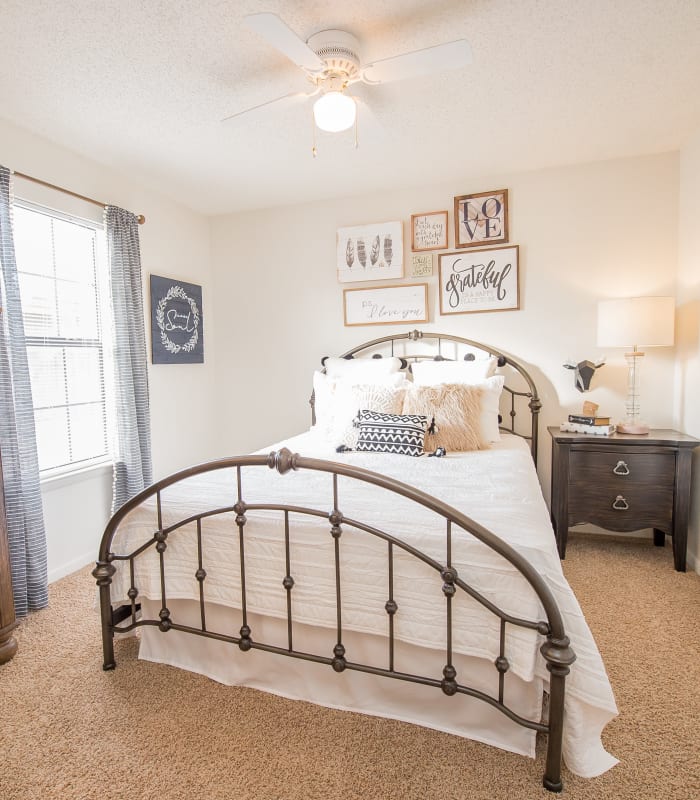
[386,305]
[479,280]
[177,332]
[481,219]
[429,231]
[421,265]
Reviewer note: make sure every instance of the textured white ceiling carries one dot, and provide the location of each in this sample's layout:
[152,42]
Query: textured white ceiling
[142,86]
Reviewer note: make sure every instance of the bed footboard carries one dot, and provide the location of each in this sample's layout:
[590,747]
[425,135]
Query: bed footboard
[555,649]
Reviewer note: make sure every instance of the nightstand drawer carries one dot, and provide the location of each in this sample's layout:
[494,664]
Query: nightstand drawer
[622,491]
[619,469]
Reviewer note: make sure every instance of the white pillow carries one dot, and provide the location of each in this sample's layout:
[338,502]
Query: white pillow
[490,400]
[362,370]
[430,373]
[323,399]
[340,402]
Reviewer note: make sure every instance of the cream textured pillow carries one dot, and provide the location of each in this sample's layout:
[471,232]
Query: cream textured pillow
[456,409]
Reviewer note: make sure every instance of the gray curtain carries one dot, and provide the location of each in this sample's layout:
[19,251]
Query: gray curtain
[132,459]
[20,464]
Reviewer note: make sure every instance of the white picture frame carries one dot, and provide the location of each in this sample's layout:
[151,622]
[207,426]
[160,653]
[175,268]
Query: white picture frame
[372,252]
[472,281]
[386,305]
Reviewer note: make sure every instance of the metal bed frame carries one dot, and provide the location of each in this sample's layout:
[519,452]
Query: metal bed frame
[555,648]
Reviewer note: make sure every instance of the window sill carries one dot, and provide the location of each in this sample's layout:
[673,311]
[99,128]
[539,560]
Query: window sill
[53,479]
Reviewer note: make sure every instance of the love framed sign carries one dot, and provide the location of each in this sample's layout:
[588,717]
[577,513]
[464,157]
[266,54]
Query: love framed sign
[481,219]
[386,305]
[479,280]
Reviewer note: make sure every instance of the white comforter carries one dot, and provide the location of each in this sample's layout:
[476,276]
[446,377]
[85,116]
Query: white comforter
[497,488]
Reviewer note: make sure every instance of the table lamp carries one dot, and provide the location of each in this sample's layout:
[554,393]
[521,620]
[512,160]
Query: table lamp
[635,322]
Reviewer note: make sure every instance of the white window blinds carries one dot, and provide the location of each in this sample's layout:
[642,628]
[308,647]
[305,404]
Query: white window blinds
[60,262]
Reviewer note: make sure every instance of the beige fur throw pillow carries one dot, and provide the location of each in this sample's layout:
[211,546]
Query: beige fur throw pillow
[456,409]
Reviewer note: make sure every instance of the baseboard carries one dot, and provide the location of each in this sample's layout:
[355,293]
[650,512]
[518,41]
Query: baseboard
[74,565]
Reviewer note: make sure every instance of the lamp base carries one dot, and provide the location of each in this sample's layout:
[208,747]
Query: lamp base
[636,428]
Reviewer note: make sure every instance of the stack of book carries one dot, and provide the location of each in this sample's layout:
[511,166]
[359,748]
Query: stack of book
[582,423]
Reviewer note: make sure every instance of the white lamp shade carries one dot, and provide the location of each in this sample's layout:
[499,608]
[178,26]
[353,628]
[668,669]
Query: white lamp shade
[644,321]
[334,112]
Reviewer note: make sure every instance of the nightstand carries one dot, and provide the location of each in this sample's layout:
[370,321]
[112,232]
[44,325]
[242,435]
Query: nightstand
[623,483]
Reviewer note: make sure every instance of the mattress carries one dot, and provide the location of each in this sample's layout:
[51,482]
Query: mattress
[498,488]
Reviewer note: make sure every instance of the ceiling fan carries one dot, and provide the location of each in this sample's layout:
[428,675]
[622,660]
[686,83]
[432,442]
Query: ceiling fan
[331,62]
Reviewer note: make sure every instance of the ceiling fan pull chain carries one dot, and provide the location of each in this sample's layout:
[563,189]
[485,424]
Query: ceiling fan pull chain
[314,151]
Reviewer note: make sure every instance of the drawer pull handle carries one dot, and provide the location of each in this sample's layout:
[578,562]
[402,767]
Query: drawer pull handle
[620,503]
[621,468]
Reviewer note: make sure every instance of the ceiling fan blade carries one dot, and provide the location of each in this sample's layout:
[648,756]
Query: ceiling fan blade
[275,100]
[451,55]
[278,34]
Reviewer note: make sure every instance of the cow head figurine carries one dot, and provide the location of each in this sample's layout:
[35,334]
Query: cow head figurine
[584,372]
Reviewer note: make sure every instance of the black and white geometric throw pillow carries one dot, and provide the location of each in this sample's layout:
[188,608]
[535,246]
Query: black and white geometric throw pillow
[403,434]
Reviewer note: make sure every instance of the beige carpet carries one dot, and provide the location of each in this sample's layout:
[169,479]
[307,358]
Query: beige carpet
[69,730]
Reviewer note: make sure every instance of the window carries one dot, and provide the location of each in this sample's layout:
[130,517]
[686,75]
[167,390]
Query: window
[60,262]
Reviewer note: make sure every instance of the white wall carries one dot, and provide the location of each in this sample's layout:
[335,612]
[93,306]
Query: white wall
[174,242]
[688,322]
[585,232]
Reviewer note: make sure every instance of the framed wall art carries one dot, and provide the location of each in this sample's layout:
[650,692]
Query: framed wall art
[479,280]
[177,322]
[421,265]
[481,219]
[429,231]
[386,305]
[371,252]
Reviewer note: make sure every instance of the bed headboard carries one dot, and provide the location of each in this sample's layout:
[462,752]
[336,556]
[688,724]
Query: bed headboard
[520,403]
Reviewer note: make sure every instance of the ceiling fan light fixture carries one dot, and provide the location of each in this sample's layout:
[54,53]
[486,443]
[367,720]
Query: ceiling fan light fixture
[334,112]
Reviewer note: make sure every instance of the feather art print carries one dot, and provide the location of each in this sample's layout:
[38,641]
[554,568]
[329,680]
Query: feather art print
[388,252]
[350,254]
[361,252]
[374,254]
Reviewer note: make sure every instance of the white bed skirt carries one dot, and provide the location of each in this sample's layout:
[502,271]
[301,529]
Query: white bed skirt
[351,690]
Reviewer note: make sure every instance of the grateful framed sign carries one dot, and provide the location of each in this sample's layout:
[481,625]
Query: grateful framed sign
[479,280]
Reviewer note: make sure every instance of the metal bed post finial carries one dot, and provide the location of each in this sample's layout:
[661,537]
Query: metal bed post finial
[559,657]
[282,460]
[103,572]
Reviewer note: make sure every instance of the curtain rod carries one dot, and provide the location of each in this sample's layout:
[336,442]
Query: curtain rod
[141,219]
